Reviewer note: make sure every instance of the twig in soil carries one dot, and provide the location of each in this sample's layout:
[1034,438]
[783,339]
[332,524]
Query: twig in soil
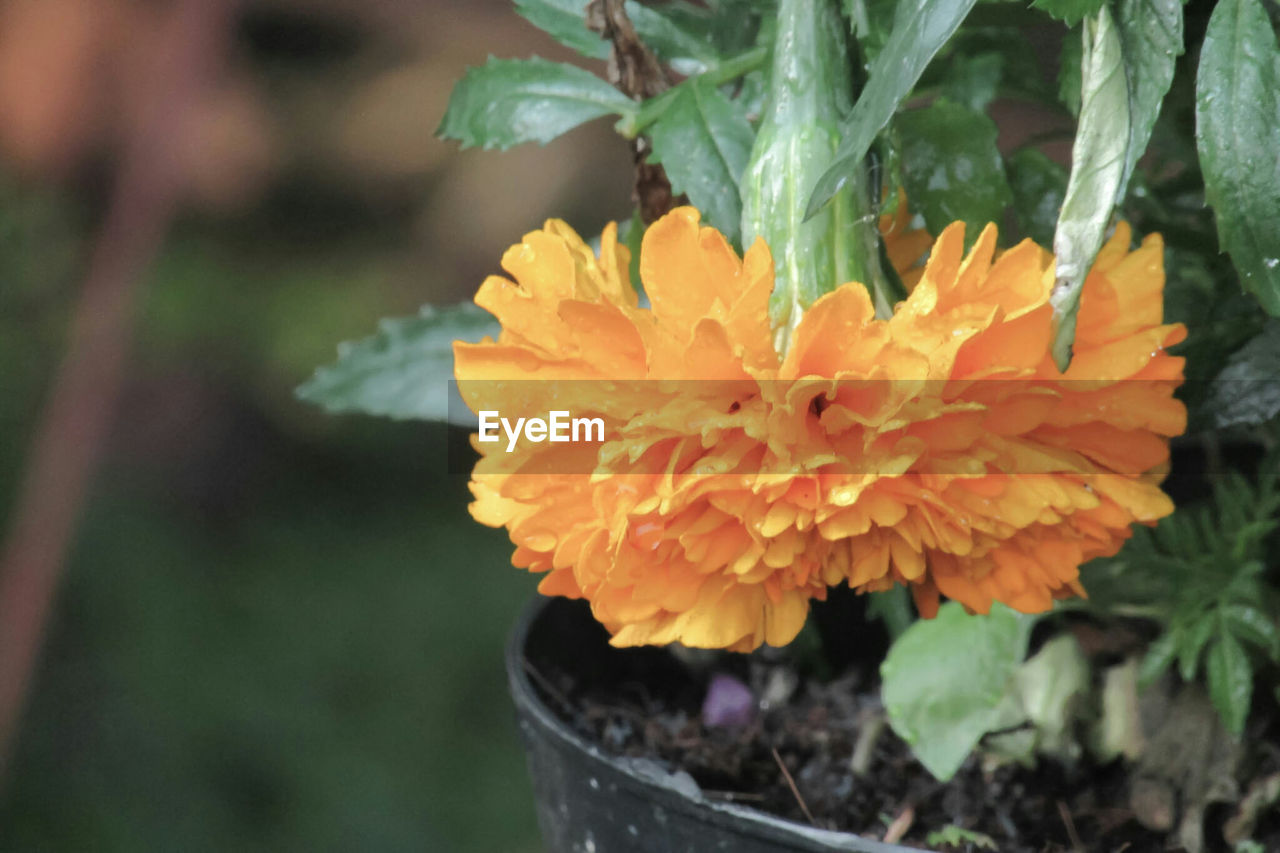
[1070,825]
[901,825]
[791,783]
[547,687]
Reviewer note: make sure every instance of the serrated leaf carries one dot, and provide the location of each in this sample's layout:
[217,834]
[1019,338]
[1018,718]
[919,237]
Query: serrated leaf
[1039,186]
[507,102]
[1238,136]
[566,22]
[1098,159]
[920,29]
[703,140]
[1247,391]
[1070,12]
[404,370]
[952,167]
[945,678]
[1230,682]
[1151,40]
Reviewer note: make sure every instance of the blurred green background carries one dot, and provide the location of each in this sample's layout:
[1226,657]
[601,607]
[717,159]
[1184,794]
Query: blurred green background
[276,629]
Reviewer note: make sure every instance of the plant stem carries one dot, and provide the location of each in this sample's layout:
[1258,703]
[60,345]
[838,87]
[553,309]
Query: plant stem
[731,69]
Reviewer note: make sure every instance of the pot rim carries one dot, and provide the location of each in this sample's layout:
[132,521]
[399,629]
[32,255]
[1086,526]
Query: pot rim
[676,792]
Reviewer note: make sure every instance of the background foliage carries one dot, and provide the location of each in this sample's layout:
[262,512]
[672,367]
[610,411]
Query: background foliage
[280,631]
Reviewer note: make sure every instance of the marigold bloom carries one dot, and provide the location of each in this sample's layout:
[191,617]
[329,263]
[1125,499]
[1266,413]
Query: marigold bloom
[979,471]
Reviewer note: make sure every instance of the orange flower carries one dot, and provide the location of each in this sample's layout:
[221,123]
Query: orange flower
[940,448]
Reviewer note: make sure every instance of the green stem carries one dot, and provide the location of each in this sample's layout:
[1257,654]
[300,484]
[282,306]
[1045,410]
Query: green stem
[811,91]
[651,110]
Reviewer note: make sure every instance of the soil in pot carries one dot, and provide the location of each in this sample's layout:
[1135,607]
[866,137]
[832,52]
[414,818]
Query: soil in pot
[795,758]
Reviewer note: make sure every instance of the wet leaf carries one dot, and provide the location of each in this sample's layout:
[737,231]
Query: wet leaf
[566,22]
[403,371]
[1151,40]
[1238,136]
[920,29]
[703,141]
[1247,391]
[1039,186]
[506,102]
[1098,160]
[952,167]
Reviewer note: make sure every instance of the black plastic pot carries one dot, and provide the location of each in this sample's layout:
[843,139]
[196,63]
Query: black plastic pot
[591,802]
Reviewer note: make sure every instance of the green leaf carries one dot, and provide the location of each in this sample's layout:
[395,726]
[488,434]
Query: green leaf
[1070,12]
[703,140]
[955,836]
[951,166]
[689,50]
[1159,657]
[1247,391]
[872,22]
[404,370]
[1254,625]
[1230,682]
[506,102]
[974,79]
[1151,40]
[1192,642]
[632,234]
[1052,687]
[920,29]
[1039,186]
[1098,160]
[1069,73]
[1238,136]
[893,608]
[566,22]
[945,678]
[732,25]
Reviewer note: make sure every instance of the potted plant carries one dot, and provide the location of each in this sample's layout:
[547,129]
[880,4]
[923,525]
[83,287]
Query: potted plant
[858,512]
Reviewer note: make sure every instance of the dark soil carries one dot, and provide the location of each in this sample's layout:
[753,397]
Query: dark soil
[647,703]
